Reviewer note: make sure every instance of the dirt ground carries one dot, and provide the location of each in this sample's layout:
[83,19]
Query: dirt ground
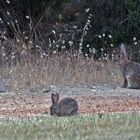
[91,100]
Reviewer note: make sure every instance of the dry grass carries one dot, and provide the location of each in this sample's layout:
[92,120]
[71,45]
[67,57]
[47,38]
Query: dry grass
[26,70]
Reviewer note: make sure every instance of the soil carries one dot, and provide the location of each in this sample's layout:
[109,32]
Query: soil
[91,100]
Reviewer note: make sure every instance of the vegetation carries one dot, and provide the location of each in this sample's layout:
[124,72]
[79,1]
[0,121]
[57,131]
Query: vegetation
[106,127]
[66,42]
[41,38]
[63,70]
[92,25]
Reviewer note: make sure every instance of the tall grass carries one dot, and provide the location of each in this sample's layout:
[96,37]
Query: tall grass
[22,68]
[24,63]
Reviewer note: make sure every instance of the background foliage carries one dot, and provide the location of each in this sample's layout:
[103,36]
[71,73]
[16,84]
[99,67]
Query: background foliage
[99,24]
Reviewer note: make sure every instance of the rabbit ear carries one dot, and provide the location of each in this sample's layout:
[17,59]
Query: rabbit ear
[123,50]
[55,98]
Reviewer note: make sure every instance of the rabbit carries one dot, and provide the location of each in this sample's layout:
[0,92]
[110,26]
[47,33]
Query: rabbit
[65,107]
[130,70]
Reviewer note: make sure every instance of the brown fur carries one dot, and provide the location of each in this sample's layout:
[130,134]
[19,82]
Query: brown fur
[130,70]
[66,106]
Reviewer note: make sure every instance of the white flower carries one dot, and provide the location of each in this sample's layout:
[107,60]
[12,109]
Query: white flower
[44,54]
[53,31]
[13,56]
[54,52]
[88,21]
[24,46]
[8,13]
[10,71]
[63,41]
[111,45]
[63,47]
[134,38]
[37,46]
[70,43]
[7,1]
[93,50]
[99,36]
[80,51]
[1,21]
[3,54]
[12,53]
[87,10]
[30,42]
[90,50]
[16,21]
[103,34]
[102,49]
[27,17]
[26,37]
[17,40]
[80,44]
[57,46]
[136,43]
[41,56]
[4,37]
[110,36]
[90,15]
[87,45]
[8,23]
[75,27]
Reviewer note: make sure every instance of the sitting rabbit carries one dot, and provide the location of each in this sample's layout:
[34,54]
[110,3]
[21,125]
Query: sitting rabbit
[130,70]
[66,106]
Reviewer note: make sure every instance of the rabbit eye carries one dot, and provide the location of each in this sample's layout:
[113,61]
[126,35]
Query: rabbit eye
[119,56]
[54,109]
